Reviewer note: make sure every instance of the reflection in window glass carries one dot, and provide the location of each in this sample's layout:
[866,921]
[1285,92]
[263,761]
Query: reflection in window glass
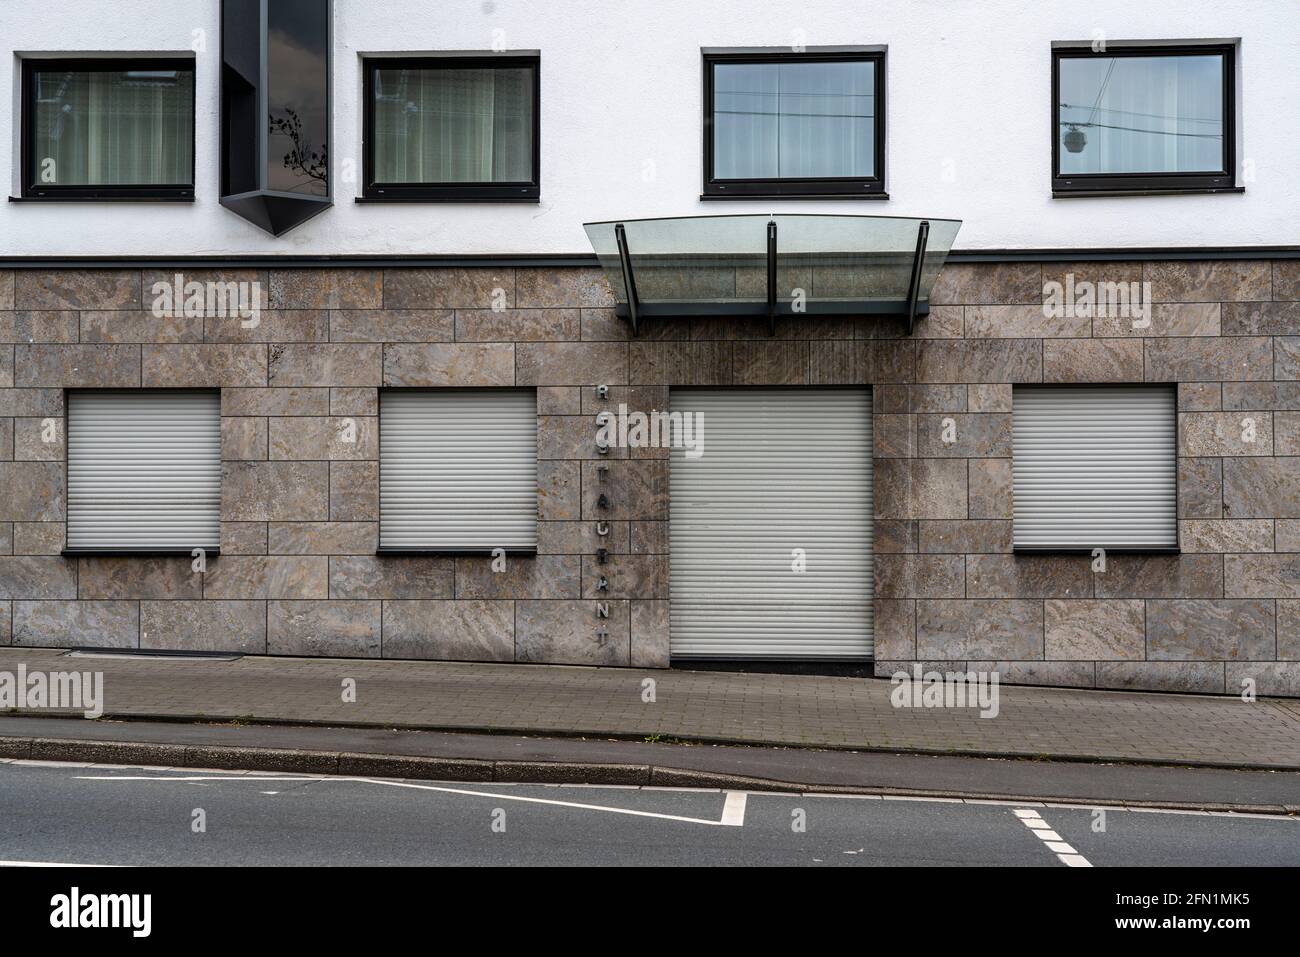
[298,97]
[112,127]
[1141,114]
[454,125]
[794,120]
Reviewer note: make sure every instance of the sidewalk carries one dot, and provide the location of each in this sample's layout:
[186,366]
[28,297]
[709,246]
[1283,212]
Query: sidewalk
[766,709]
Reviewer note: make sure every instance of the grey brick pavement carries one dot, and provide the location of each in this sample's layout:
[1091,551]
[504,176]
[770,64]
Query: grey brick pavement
[769,709]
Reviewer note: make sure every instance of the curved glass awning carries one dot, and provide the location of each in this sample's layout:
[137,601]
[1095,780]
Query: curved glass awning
[778,265]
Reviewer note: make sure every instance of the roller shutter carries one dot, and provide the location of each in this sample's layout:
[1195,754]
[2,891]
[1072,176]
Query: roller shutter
[144,470]
[458,469]
[782,469]
[1095,467]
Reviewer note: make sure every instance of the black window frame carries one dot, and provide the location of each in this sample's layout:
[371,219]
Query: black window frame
[870,187]
[32,188]
[1086,184]
[516,192]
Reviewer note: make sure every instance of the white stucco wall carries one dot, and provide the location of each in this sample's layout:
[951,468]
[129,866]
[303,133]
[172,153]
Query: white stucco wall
[968,120]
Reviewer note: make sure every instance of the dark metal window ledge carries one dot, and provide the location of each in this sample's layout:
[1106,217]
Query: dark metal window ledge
[801,197]
[1171,191]
[456,552]
[135,552]
[1088,549]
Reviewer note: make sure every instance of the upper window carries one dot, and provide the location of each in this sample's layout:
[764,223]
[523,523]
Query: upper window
[1142,118]
[108,129]
[1095,467]
[452,128]
[794,124]
[144,470]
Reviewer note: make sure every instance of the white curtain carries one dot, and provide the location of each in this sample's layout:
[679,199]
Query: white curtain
[794,120]
[115,128]
[1160,114]
[454,126]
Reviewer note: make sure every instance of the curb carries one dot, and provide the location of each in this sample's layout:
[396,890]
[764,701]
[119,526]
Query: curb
[353,764]
[180,718]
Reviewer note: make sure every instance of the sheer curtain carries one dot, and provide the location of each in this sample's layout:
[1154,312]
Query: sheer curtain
[1161,114]
[453,126]
[794,120]
[104,128]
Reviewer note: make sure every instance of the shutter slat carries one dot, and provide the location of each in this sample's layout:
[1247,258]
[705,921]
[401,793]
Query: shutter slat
[1095,466]
[458,469]
[782,469]
[144,469]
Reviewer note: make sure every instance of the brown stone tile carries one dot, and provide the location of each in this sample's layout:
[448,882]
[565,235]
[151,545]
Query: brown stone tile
[980,361]
[1029,576]
[1095,630]
[138,577]
[979,629]
[393,325]
[1023,322]
[348,438]
[1200,488]
[326,289]
[977,435]
[322,538]
[575,363]
[353,400]
[327,364]
[542,576]
[262,576]
[571,632]
[390,576]
[962,536]
[199,366]
[1200,677]
[1210,630]
[518,325]
[38,577]
[77,366]
[450,630]
[920,576]
[649,639]
[1200,396]
[1204,434]
[125,326]
[38,326]
[77,289]
[1209,281]
[1261,576]
[72,624]
[991,485]
[237,627]
[1208,359]
[33,492]
[1092,360]
[1261,487]
[340,629]
[1161,576]
[677,363]
[1261,318]
[275,491]
[242,401]
[585,288]
[920,488]
[271,325]
[1166,319]
[243,438]
[354,491]
[988,283]
[38,440]
[1240,535]
[770,363]
[449,288]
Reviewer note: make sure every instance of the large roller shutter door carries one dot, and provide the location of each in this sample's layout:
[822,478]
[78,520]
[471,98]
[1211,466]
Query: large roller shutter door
[144,470]
[458,469]
[782,469]
[1095,467]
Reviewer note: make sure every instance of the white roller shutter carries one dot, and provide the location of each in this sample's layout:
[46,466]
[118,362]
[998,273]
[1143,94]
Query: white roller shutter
[782,469]
[1095,467]
[144,470]
[458,469]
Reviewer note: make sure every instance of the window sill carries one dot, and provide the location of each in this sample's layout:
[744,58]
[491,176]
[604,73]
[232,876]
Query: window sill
[102,199]
[454,552]
[135,552]
[1172,191]
[803,197]
[523,200]
[1089,549]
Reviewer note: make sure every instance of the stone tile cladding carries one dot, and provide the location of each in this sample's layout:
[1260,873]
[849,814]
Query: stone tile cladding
[298,574]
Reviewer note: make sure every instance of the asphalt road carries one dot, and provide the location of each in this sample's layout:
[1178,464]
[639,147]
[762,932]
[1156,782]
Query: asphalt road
[99,814]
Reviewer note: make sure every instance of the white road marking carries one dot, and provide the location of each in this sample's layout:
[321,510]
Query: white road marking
[48,864]
[733,812]
[446,790]
[1043,831]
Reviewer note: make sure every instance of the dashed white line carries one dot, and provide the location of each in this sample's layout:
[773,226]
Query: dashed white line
[1043,831]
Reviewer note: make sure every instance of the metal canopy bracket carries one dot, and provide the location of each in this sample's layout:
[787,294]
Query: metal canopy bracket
[914,286]
[629,281]
[771,277]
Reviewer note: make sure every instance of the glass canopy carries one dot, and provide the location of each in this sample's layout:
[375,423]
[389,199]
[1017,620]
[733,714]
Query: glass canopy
[773,266]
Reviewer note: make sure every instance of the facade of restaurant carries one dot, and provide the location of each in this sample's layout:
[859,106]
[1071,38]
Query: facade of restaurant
[975,375]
